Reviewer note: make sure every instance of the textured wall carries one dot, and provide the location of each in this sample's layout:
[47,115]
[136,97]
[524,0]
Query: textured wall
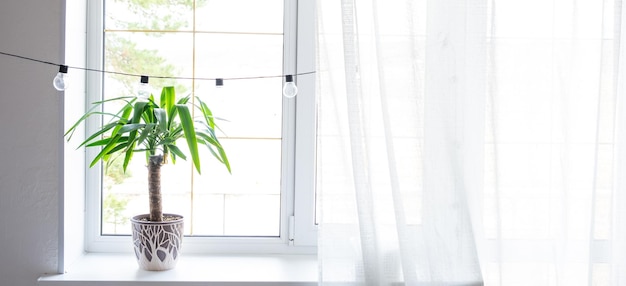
[30,140]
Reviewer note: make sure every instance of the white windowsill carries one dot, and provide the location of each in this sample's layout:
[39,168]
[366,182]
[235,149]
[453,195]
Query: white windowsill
[122,270]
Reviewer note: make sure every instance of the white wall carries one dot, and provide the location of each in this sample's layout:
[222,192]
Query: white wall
[30,140]
[74,177]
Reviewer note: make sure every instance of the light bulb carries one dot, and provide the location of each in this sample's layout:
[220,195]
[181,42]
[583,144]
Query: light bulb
[143,92]
[60,80]
[290,89]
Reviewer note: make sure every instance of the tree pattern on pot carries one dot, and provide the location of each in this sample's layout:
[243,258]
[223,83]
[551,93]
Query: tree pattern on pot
[157,246]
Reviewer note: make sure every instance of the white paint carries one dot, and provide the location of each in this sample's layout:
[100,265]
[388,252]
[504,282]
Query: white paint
[306,125]
[74,169]
[102,269]
[31,140]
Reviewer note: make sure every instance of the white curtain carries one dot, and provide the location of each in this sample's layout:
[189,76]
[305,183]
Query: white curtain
[471,142]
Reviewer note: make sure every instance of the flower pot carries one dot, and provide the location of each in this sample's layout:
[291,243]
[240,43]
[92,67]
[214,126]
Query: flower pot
[157,244]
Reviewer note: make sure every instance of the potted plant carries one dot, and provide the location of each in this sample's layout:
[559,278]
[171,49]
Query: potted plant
[143,126]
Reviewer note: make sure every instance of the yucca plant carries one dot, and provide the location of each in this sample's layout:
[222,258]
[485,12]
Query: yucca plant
[143,126]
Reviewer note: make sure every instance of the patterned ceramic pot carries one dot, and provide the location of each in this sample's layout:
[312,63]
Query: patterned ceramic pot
[157,244]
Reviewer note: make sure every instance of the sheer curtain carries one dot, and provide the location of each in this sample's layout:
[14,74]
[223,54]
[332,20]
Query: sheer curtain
[471,142]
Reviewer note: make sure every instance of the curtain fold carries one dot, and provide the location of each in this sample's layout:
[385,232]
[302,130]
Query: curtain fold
[382,122]
[474,142]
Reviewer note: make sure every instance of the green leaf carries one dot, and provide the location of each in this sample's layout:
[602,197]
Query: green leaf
[190,134]
[103,130]
[215,154]
[118,147]
[168,100]
[102,142]
[184,100]
[176,131]
[126,110]
[177,151]
[70,131]
[145,124]
[131,127]
[220,155]
[105,150]
[166,141]
[138,109]
[161,116]
[145,132]
[129,155]
[132,99]
[148,114]
[224,158]
[206,112]
[210,138]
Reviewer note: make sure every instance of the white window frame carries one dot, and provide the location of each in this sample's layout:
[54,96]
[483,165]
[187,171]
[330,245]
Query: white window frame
[298,231]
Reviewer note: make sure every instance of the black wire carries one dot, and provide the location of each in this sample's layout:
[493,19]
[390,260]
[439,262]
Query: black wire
[152,76]
[30,59]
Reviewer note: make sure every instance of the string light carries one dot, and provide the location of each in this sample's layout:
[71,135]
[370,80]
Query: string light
[290,89]
[60,81]
[143,92]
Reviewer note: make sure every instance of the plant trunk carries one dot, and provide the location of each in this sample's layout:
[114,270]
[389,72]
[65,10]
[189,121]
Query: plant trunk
[154,185]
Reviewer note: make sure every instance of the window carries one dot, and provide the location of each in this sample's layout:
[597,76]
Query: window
[267,203]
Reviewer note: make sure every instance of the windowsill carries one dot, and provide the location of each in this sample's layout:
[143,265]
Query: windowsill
[121,269]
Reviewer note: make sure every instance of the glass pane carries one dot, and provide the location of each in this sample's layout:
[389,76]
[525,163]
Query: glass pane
[171,15]
[125,194]
[157,39]
[252,215]
[250,108]
[236,215]
[227,55]
[253,189]
[163,55]
[255,166]
[243,16]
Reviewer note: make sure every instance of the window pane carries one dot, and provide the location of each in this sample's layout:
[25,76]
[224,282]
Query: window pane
[249,197]
[244,55]
[243,16]
[148,15]
[250,108]
[147,54]
[150,39]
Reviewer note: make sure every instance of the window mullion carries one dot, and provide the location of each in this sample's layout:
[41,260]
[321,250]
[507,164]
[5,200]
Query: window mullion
[95,52]
[306,230]
[289,113]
